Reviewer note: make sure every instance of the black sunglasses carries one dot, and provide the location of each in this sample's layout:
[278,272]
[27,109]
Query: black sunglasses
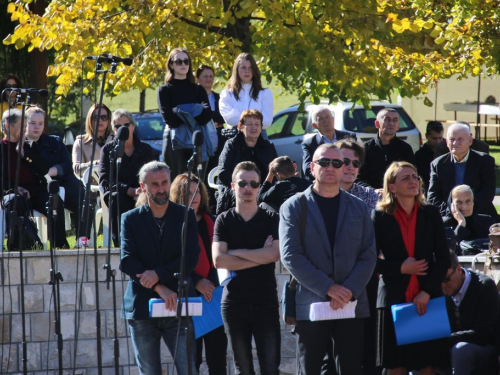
[11,86]
[127,124]
[355,163]
[179,62]
[448,278]
[244,183]
[103,117]
[324,163]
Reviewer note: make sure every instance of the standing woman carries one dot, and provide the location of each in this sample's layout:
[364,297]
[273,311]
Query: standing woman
[82,149]
[179,88]
[411,238]
[204,277]
[244,91]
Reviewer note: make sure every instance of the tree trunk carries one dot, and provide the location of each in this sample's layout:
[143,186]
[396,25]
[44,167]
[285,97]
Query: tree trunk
[142,101]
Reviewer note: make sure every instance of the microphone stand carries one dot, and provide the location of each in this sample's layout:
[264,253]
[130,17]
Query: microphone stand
[55,279]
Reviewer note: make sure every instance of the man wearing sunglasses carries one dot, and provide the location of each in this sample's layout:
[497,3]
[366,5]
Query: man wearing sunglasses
[246,241]
[332,263]
[473,306]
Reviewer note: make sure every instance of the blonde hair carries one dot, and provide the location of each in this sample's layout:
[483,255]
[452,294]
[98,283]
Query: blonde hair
[388,203]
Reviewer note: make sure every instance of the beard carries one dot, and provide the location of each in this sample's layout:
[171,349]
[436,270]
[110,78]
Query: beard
[160,199]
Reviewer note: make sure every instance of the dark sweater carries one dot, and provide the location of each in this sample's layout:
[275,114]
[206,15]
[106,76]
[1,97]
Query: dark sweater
[181,91]
[423,159]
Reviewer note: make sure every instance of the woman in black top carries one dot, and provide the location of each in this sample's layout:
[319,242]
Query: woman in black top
[127,190]
[179,88]
[204,277]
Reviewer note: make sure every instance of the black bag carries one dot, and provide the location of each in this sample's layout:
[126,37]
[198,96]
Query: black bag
[29,230]
[474,247]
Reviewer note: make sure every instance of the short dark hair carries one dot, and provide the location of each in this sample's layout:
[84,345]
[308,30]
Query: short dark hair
[383,111]
[434,126]
[283,165]
[202,68]
[251,113]
[245,166]
[453,259]
[354,145]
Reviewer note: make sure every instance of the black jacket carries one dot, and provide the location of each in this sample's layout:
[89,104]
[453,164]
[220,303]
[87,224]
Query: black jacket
[276,195]
[379,157]
[236,150]
[310,145]
[423,159]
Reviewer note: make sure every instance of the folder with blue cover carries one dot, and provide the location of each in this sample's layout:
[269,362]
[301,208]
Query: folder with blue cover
[411,327]
[211,318]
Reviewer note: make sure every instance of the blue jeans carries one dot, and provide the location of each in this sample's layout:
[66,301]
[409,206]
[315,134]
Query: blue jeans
[146,335]
[244,320]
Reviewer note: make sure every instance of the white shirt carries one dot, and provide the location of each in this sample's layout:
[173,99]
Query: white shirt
[457,298]
[231,109]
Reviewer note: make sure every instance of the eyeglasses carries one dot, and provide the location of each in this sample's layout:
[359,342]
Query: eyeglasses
[448,278]
[11,86]
[126,124]
[179,62]
[355,163]
[336,163]
[103,117]
[244,183]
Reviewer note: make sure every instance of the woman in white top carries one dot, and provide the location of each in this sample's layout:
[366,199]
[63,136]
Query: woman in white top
[244,91]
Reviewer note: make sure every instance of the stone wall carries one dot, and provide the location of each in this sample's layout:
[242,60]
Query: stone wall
[78,305]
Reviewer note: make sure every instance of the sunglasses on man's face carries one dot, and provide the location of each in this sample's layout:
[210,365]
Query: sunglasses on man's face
[324,163]
[127,124]
[11,86]
[179,62]
[103,117]
[355,163]
[244,183]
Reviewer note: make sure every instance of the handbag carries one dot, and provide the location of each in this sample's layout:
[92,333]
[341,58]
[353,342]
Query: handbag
[29,231]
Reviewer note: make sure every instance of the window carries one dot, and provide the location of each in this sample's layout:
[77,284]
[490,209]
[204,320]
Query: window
[300,123]
[276,129]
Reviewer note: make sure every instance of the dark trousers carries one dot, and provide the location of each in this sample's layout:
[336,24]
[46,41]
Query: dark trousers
[243,321]
[73,201]
[313,341]
[215,351]
[125,203]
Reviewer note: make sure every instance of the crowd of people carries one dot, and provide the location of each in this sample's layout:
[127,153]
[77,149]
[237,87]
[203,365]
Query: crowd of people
[370,223]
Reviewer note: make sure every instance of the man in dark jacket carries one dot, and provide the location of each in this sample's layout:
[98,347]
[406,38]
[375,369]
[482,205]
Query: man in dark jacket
[473,306]
[382,150]
[425,155]
[323,120]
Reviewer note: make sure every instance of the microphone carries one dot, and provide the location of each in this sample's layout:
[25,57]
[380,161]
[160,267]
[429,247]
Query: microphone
[122,135]
[40,92]
[53,192]
[108,58]
[198,150]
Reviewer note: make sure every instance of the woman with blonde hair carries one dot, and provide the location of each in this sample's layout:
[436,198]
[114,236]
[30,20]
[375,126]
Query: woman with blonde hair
[204,277]
[413,262]
[82,148]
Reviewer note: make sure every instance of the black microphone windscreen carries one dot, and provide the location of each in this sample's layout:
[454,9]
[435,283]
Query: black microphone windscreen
[53,187]
[123,133]
[127,61]
[198,138]
[43,93]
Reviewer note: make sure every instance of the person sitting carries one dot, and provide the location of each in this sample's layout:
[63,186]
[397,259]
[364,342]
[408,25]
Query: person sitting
[55,152]
[473,305]
[126,191]
[82,148]
[288,183]
[8,99]
[460,216]
[425,154]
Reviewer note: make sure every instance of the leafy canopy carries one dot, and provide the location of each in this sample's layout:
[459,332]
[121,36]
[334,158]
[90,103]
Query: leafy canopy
[347,49]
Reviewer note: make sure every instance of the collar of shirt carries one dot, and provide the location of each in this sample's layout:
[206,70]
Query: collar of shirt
[457,298]
[326,140]
[464,160]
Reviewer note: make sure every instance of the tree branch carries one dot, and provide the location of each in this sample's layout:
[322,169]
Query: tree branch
[203,26]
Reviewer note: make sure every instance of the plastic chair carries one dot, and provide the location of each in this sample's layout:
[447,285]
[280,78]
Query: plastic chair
[212,177]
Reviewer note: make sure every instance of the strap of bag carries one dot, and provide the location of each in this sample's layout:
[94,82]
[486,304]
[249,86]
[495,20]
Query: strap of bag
[302,224]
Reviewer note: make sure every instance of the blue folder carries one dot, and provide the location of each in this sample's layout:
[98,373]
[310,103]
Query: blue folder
[211,318]
[411,327]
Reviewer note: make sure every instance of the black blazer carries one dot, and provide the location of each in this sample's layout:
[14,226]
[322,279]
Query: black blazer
[430,244]
[216,116]
[479,175]
[310,145]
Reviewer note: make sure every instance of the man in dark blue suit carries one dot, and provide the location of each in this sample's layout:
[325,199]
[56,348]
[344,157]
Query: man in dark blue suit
[151,256]
[323,120]
[463,166]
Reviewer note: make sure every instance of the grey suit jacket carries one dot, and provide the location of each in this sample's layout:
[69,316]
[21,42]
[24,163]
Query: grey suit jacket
[311,263]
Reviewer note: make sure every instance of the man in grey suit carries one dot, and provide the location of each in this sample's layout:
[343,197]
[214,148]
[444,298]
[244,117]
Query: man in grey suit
[333,263]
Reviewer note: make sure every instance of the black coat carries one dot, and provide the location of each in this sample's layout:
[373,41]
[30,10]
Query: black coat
[310,145]
[423,159]
[479,175]
[430,244]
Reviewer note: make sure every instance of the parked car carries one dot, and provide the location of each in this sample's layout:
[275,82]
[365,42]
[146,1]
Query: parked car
[150,130]
[291,126]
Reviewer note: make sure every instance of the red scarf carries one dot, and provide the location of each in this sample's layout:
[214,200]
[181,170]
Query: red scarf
[407,224]
[205,264]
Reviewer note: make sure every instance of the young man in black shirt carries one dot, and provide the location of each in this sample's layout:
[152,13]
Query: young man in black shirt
[246,241]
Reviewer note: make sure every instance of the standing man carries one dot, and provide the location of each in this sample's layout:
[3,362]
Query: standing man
[323,120]
[463,166]
[246,241]
[473,309]
[333,263]
[151,248]
[425,155]
[382,150]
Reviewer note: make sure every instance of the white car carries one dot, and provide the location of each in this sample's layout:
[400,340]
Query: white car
[290,127]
